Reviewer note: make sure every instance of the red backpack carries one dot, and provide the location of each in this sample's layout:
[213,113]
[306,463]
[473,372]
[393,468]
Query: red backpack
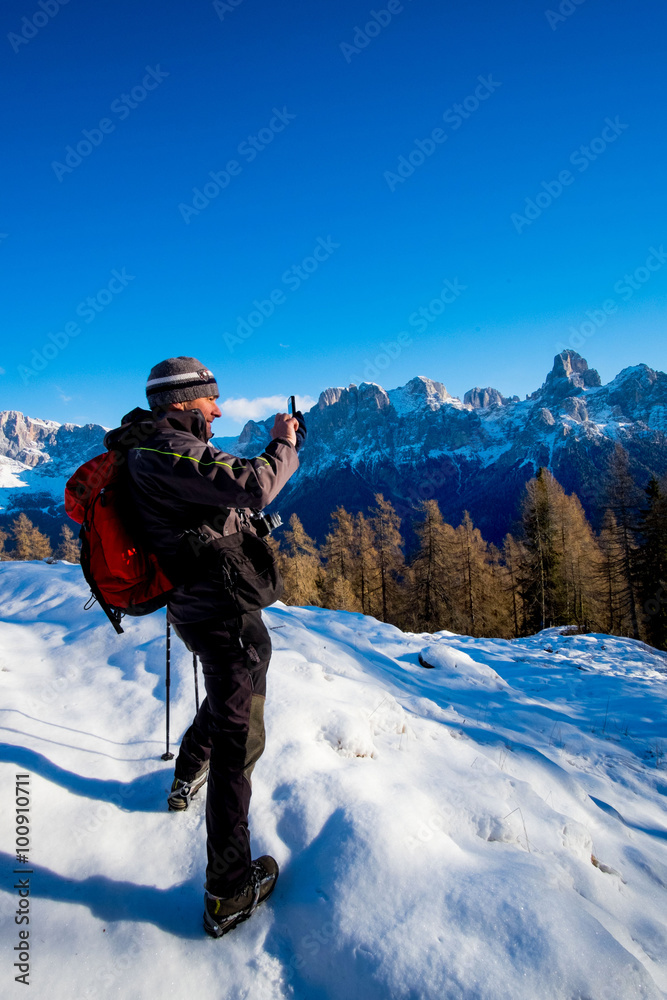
[123,575]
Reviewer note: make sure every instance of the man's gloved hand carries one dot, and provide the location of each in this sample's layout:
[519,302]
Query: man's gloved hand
[301,430]
[285,426]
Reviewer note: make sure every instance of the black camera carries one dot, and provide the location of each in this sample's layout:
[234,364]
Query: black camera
[264,524]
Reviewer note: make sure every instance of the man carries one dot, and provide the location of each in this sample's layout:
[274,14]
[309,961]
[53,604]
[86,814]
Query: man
[194,504]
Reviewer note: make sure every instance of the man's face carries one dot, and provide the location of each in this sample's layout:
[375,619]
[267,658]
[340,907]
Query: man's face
[208,406]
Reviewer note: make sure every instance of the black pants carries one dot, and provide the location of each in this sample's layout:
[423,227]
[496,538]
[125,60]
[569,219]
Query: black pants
[228,731]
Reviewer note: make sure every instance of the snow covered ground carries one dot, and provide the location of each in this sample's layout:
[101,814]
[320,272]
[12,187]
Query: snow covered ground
[493,828]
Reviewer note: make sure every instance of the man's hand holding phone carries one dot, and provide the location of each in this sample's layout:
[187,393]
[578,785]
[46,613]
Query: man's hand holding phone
[286,427]
[290,426]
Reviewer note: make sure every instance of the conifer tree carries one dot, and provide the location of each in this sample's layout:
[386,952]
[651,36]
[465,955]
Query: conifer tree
[515,558]
[3,538]
[541,583]
[651,565]
[338,552]
[300,565]
[472,553]
[29,542]
[564,564]
[431,606]
[612,583]
[579,557]
[339,595]
[390,561]
[498,606]
[624,500]
[365,569]
[69,548]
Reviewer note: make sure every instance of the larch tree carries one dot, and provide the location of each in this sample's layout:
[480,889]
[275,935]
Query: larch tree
[431,607]
[300,565]
[69,548]
[475,579]
[579,558]
[29,542]
[365,570]
[390,562]
[612,583]
[498,612]
[624,500]
[651,565]
[541,584]
[339,555]
[514,562]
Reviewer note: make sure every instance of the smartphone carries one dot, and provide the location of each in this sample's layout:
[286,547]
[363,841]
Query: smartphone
[291,405]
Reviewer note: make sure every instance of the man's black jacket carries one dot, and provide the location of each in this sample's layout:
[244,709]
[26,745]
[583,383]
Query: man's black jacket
[178,481]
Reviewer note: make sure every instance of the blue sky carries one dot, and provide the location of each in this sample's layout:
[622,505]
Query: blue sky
[305,195]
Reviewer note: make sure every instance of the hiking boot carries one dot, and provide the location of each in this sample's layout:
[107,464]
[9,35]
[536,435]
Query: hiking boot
[223,913]
[182,791]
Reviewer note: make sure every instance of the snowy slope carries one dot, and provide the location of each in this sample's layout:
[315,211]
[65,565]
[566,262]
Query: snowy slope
[434,827]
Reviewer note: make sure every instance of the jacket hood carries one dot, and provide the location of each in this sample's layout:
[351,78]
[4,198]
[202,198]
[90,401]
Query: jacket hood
[139,424]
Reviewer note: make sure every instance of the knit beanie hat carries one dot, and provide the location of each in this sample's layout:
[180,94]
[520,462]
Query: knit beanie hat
[178,380]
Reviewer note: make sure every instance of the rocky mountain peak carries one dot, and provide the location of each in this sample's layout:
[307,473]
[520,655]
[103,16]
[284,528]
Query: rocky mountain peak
[569,376]
[25,438]
[373,393]
[420,393]
[569,363]
[420,385]
[479,399]
[252,432]
[330,397]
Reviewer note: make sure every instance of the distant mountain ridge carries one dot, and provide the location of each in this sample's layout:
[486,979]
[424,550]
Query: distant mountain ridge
[418,442]
[411,443]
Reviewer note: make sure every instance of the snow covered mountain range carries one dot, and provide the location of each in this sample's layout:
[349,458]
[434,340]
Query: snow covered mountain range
[411,443]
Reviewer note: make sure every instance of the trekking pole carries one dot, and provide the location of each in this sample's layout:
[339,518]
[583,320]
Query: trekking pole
[194,667]
[167,755]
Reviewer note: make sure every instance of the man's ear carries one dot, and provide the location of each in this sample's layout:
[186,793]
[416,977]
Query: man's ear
[176,406]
